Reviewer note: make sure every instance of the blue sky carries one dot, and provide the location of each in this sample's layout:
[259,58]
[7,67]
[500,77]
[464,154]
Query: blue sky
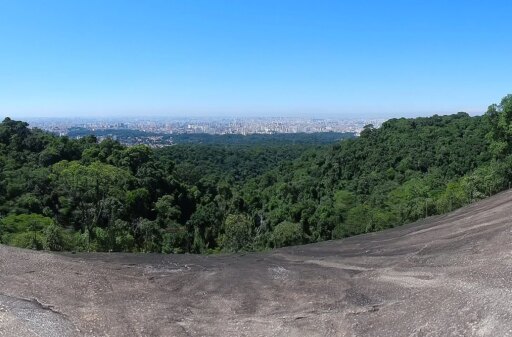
[252,58]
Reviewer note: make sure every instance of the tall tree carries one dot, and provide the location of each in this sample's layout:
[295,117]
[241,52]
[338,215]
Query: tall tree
[500,118]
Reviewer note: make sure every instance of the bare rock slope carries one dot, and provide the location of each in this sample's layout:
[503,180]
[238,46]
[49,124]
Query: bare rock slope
[444,276]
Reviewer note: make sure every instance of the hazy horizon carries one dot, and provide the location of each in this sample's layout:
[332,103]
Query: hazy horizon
[252,59]
[199,116]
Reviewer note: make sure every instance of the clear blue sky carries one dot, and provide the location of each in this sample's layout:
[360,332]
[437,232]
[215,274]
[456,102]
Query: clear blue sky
[257,57]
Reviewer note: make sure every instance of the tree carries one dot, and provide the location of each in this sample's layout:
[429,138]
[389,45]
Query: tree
[138,202]
[287,233]
[237,232]
[500,119]
[168,211]
[53,238]
[410,200]
[86,188]
[453,196]
[149,234]
[134,157]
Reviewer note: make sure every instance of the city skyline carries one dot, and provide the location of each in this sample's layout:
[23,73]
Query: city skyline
[156,133]
[240,125]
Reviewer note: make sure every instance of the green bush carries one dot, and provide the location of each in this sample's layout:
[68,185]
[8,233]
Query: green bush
[237,232]
[53,238]
[28,240]
[287,233]
[24,230]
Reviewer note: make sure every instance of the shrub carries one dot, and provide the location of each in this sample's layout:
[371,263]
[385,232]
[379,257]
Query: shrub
[287,233]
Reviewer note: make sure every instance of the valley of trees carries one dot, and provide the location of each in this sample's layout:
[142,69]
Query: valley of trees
[58,193]
[128,136]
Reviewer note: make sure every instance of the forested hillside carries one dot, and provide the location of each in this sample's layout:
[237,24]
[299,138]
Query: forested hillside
[128,136]
[62,194]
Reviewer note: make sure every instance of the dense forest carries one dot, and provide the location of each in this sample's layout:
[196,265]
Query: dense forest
[58,193]
[128,135]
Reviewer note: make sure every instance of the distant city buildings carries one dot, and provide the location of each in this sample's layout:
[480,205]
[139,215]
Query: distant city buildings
[158,132]
[242,126]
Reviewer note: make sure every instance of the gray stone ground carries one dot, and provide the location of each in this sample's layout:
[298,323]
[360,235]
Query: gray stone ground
[444,276]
